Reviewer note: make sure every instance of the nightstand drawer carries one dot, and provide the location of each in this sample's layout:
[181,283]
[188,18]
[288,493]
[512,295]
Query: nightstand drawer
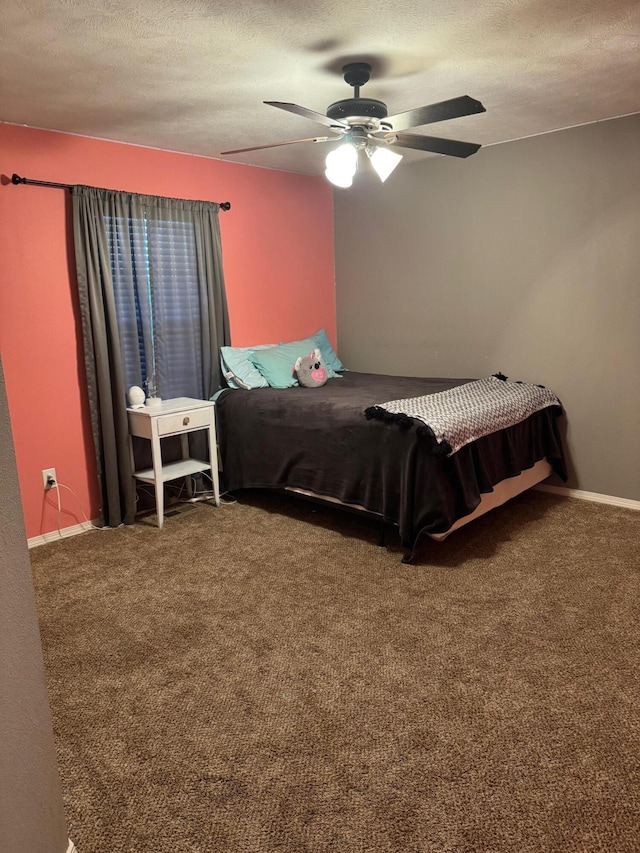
[193,419]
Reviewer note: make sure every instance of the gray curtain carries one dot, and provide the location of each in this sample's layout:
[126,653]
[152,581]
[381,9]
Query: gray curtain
[152,300]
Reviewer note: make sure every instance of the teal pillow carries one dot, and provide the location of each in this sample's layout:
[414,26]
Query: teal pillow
[316,339]
[238,370]
[276,364]
[329,356]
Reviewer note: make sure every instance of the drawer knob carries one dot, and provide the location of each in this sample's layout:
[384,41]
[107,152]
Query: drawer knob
[185,420]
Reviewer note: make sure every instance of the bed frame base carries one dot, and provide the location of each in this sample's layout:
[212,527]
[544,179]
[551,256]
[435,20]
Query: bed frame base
[502,492]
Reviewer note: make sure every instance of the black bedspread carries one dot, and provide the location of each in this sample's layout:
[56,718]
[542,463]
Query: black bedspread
[318,439]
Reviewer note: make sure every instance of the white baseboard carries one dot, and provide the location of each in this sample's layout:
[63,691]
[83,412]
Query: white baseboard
[72,847]
[627,503]
[64,533]
[563,491]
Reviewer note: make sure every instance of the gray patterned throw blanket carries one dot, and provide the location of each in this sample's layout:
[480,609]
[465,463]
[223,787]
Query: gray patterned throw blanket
[460,415]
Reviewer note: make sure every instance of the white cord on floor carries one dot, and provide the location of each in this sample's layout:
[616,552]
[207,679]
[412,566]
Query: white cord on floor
[57,486]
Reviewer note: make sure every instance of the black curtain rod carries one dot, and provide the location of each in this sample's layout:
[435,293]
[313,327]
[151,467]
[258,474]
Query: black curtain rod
[16,179]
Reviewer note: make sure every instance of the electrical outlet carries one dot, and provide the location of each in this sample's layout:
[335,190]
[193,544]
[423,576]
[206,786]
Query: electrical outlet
[48,473]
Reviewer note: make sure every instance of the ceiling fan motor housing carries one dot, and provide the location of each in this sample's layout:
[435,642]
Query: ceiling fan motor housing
[356,74]
[357,107]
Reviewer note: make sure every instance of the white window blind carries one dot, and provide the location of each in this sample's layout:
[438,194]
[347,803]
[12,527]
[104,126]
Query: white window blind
[158,303]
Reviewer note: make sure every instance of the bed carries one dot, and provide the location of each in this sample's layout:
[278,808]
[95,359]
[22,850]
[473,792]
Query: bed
[319,442]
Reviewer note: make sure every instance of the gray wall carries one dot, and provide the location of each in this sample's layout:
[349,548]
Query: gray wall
[524,258]
[31,809]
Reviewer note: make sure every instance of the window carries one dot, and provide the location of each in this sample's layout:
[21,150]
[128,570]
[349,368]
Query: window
[158,303]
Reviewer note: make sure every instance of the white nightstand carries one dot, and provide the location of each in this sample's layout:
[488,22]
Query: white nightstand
[179,416]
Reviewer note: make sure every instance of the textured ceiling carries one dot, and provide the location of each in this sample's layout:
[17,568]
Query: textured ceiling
[191,76]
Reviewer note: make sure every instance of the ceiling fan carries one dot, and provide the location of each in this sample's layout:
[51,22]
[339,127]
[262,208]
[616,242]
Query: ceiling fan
[363,124]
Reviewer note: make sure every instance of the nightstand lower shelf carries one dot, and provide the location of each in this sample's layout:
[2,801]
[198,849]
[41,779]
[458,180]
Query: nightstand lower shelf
[173,470]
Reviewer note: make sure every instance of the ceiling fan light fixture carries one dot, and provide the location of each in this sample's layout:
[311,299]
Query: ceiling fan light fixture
[342,164]
[383,161]
[339,179]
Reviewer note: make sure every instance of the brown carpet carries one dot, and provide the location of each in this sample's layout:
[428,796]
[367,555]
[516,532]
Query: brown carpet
[263,677]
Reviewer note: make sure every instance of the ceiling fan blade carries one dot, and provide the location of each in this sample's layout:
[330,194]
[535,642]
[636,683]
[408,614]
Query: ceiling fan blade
[455,108]
[277,144]
[436,145]
[305,113]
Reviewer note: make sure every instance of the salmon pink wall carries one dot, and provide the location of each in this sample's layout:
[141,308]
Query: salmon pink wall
[279,269]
